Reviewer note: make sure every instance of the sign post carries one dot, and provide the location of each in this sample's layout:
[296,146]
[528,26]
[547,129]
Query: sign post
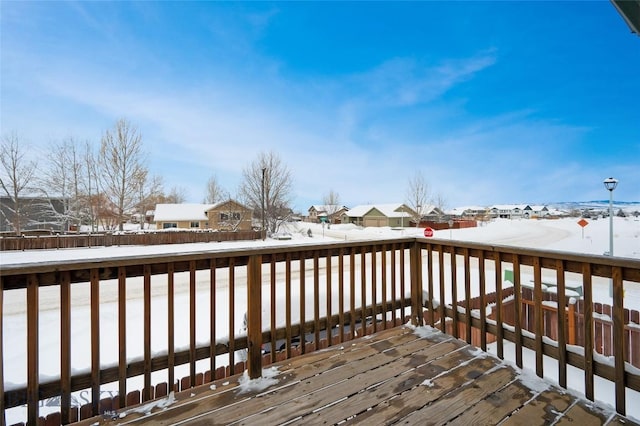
[583,222]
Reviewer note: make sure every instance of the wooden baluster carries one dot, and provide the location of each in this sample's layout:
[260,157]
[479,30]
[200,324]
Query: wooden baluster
[122,336]
[454,291]
[483,302]
[146,391]
[403,293]
[441,291]
[32,349]
[329,291]
[232,312]
[171,326]
[500,330]
[588,331]
[65,347]
[539,321]
[95,342]
[429,283]
[416,286]
[341,293]
[288,307]
[383,257]
[374,288]
[363,290]
[212,319]
[316,300]
[618,338]
[303,339]
[254,316]
[352,291]
[517,290]
[272,279]
[467,295]
[562,323]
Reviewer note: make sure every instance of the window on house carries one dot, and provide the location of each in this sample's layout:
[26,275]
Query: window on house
[195,224]
[230,215]
[168,225]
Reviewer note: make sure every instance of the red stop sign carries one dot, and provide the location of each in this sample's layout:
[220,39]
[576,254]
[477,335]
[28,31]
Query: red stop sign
[428,232]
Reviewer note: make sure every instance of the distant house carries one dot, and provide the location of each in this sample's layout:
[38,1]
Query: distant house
[326,213]
[470,212]
[508,211]
[393,215]
[532,212]
[224,216]
[518,211]
[431,213]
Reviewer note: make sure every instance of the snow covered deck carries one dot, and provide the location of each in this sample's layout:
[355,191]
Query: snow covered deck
[401,375]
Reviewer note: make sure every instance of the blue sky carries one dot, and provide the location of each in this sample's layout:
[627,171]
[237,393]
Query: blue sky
[493,102]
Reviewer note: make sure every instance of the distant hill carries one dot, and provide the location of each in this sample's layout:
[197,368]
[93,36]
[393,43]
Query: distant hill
[626,206]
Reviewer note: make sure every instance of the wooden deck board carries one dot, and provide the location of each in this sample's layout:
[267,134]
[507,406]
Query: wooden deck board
[495,406]
[543,409]
[348,388]
[393,376]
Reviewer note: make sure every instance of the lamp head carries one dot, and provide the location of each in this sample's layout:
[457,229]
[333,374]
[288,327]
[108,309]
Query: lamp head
[610,183]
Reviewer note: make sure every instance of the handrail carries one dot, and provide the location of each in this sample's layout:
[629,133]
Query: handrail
[316,290]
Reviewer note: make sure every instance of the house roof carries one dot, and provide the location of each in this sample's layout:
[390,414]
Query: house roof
[509,206]
[175,212]
[320,208]
[186,211]
[462,210]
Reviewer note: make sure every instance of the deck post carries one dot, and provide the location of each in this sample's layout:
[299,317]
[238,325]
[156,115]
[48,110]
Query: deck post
[254,316]
[416,285]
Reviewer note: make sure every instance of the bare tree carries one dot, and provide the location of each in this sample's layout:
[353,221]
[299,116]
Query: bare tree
[176,195]
[440,202]
[331,204]
[89,187]
[17,175]
[266,187]
[215,192]
[61,180]
[417,196]
[149,189]
[122,167]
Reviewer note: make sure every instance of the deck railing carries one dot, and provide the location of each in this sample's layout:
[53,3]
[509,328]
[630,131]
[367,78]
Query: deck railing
[138,328]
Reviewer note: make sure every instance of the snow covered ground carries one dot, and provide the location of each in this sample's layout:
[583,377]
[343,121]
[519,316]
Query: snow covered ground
[562,235]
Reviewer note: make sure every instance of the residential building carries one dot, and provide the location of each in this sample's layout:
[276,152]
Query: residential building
[518,211]
[331,213]
[393,215]
[227,215]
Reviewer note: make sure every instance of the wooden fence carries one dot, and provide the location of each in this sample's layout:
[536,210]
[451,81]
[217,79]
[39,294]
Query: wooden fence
[575,323]
[122,239]
[287,300]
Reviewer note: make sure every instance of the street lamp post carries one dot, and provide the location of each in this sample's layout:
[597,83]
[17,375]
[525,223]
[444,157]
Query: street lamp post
[610,184]
[264,231]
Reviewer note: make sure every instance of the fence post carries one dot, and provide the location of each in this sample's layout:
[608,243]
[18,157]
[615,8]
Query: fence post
[416,285]
[254,316]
